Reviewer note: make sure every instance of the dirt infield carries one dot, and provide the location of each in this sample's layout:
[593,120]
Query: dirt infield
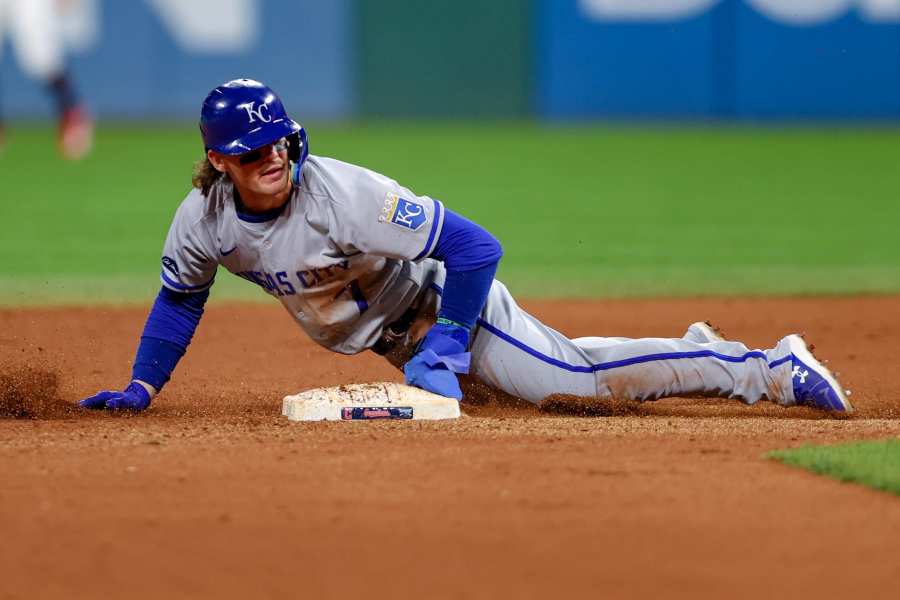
[212,494]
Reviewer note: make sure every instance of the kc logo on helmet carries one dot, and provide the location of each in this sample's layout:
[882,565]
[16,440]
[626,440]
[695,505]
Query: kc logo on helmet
[257,113]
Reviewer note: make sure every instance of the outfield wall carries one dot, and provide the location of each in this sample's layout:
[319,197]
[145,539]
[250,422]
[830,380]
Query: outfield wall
[446,58]
[555,59]
[721,58]
[157,59]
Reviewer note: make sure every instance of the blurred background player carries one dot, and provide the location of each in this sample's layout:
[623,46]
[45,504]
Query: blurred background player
[35,32]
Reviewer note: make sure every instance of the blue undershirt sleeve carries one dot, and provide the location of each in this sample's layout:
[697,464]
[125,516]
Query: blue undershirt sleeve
[471,255]
[465,293]
[464,245]
[170,326]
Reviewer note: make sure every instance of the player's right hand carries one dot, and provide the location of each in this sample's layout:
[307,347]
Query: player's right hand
[135,398]
[440,356]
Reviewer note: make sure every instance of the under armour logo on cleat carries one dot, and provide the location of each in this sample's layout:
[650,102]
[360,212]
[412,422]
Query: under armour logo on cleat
[801,374]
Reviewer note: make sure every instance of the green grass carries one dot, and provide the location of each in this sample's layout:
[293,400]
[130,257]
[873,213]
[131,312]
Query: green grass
[875,464]
[581,210]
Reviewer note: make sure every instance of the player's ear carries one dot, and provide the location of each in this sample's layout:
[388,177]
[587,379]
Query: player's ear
[216,160]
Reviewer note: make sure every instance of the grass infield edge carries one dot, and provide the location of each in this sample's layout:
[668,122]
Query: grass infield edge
[872,463]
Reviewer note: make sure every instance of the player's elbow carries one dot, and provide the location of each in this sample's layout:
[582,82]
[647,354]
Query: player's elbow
[482,250]
[493,249]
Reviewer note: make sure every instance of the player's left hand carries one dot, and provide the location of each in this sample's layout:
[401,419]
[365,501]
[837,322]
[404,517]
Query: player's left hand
[135,398]
[441,354]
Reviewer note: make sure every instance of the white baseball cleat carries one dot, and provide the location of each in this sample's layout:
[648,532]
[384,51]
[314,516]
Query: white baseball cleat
[813,384]
[704,332]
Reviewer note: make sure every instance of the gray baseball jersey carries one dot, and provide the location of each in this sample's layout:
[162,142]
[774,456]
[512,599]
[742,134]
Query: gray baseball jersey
[349,253]
[346,256]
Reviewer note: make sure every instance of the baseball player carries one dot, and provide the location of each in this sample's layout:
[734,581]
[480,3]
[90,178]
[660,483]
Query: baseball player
[362,263]
[35,31]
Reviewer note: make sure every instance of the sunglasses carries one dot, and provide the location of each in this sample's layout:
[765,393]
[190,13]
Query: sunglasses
[254,155]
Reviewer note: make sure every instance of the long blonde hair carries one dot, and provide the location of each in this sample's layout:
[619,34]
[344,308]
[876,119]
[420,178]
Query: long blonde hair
[205,175]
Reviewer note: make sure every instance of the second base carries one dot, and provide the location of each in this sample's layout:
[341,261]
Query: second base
[368,401]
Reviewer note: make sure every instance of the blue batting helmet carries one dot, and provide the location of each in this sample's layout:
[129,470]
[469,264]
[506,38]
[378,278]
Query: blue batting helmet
[242,115]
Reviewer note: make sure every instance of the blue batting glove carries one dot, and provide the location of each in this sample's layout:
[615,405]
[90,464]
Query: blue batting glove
[441,354]
[135,398]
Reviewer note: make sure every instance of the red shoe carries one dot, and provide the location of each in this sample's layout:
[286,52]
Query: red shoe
[76,133]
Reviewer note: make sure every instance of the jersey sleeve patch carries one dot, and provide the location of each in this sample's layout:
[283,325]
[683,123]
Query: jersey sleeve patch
[176,283]
[402,212]
[171,265]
